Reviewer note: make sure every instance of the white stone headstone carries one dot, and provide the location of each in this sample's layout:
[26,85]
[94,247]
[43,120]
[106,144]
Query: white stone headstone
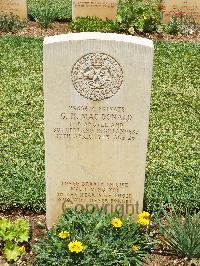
[16,8]
[97,97]
[95,8]
[177,7]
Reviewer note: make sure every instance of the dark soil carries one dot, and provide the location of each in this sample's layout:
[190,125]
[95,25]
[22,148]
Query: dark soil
[33,29]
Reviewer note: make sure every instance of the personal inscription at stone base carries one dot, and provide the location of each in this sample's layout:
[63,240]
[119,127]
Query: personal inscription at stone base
[190,8]
[97,97]
[95,8]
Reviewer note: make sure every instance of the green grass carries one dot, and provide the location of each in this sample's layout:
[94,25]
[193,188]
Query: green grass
[172,167]
[21,132]
[173,151]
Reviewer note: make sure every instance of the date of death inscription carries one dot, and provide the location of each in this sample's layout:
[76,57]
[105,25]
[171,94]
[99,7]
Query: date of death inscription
[96,123]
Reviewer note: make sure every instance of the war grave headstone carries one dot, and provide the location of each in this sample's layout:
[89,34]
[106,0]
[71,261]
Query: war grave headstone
[16,8]
[188,7]
[95,8]
[97,90]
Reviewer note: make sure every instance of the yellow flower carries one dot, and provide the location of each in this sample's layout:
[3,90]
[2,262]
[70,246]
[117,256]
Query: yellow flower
[143,221]
[134,248]
[64,234]
[145,215]
[75,246]
[116,222]
[22,249]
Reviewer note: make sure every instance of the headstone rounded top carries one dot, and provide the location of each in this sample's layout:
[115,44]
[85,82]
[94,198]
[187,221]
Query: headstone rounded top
[98,36]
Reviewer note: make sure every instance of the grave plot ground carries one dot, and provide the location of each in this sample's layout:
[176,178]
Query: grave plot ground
[38,231]
[173,135]
[172,161]
[33,29]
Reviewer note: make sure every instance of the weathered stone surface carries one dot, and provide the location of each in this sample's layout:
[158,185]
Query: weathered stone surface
[95,8]
[14,7]
[97,95]
[189,7]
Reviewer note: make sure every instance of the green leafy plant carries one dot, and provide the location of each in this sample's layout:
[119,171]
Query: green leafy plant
[138,15]
[62,8]
[10,23]
[93,24]
[182,23]
[12,235]
[44,15]
[174,26]
[181,234]
[189,25]
[93,238]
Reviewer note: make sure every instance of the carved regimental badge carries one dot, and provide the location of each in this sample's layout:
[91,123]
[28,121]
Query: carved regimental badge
[97,76]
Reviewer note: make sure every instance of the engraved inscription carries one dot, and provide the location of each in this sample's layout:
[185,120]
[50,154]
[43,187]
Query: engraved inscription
[92,4]
[14,7]
[97,76]
[99,192]
[180,8]
[96,123]
[111,196]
